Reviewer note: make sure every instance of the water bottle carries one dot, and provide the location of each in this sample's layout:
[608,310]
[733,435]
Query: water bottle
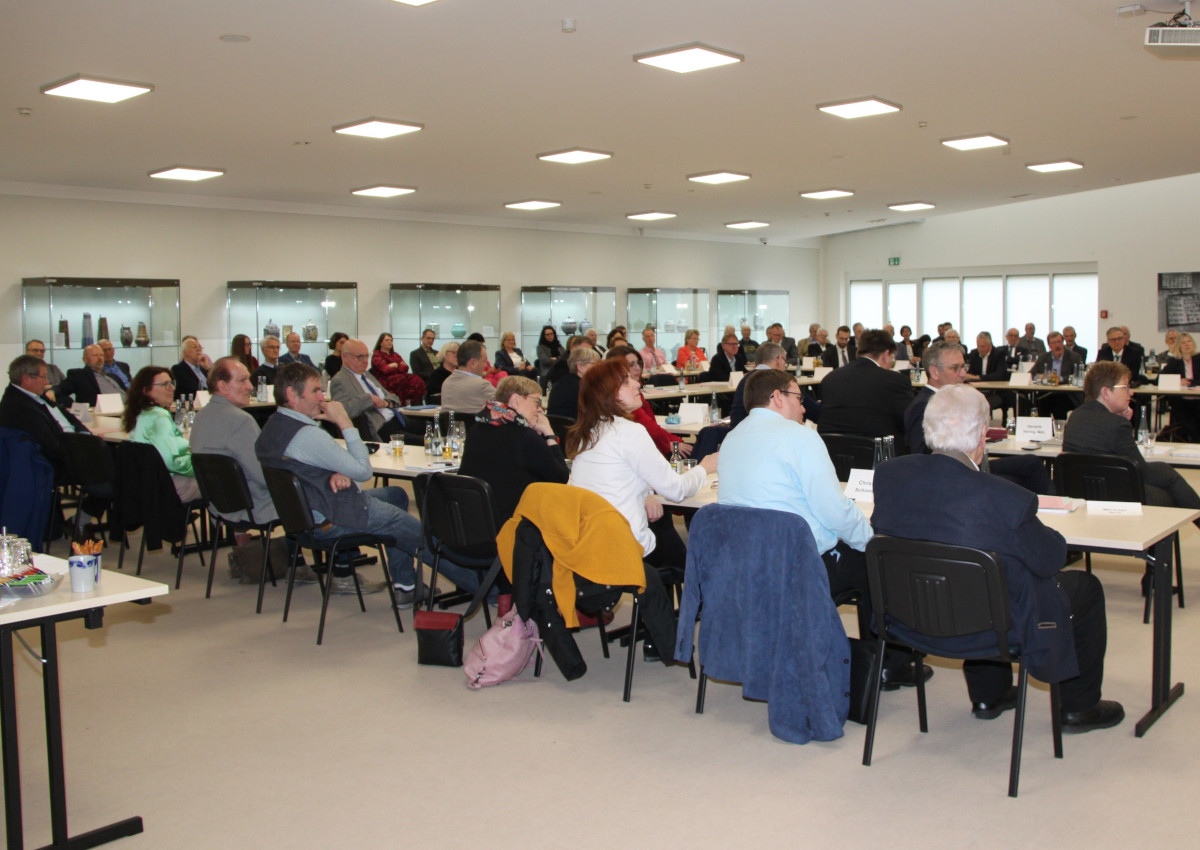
[1011,426]
[435,443]
[878,459]
[676,457]
[262,389]
[1143,436]
[448,440]
[429,438]
[714,411]
[889,447]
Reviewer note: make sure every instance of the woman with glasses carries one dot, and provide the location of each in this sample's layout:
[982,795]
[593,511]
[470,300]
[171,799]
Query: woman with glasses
[513,446]
[1185,412]
[615,457]
[389,367]
[148,420]
[644,415]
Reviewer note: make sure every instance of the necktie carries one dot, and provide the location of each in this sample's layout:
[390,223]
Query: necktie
[367,384]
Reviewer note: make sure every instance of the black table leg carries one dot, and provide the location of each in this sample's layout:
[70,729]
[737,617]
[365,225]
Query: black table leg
[1162,693]
[8,731]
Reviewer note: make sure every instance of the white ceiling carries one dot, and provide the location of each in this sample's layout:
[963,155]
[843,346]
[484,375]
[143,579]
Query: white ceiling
[496,82]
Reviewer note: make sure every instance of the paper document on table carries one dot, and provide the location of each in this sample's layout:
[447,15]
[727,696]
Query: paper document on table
[861,485]
[1059,504]
[434,465]
[1114,508]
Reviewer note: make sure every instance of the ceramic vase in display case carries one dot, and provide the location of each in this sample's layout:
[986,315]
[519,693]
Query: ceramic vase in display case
[310,332]
[88,337]
[126,336]
[102,329]
[459,330]
[143,338]
[271,329]
[569,326]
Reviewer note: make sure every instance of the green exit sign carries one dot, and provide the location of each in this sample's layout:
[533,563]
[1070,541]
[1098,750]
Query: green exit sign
[893,261]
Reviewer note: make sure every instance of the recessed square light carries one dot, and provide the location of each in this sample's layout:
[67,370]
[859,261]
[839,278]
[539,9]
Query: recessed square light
[383,191]
[184,172]
[860,108]
[717,177]
[974,143]
[826,194]
[1047,167]
[911,206]
[96,88]
[689,57]
[747,225]
[574,156]
[650,216]
[415,2]
[378,128]
[533,205]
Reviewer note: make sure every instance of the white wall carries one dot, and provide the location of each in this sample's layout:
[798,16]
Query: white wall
[204,248]
[1131,233]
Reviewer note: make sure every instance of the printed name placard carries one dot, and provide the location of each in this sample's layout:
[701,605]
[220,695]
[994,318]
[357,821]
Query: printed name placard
[693,413]
[1034,429]
[202,398]
[1169,382]
[80,411]
[821,371]
[109,404]
[735,378]
[807,363]
[1020,379]
[901,365]
[1114,508]
[861,485]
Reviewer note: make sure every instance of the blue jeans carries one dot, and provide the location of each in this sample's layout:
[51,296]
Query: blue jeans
[387,513]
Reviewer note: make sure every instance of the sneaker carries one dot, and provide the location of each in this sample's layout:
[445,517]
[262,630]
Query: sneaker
[344,585]
[305,575]
[407,598]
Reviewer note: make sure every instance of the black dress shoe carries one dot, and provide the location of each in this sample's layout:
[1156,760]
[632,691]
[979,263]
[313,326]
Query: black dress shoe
[895,678]
[992,710]
[1102,715]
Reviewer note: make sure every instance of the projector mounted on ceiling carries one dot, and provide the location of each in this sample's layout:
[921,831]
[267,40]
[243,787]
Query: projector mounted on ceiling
[1177,38]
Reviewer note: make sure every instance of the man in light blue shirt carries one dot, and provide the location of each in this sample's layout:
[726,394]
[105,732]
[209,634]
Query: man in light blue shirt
[773,460]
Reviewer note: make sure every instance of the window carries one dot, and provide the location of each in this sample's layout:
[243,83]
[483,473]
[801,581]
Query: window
[1027,299]
[1075,301]
[982,302]
[866,303]
[902,306]
[939,303]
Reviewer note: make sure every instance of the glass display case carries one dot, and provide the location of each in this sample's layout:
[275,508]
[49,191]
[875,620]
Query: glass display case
[313,309]
[672,312]
[139,316]
[570,309]
[757,308]
[452,310]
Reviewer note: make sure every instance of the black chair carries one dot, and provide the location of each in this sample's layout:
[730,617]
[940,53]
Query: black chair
[1115,479]
[457,523]
[223,485]
[90,466]
[296,517]
[560,424]
[146,499]
[849,451]
[944,592]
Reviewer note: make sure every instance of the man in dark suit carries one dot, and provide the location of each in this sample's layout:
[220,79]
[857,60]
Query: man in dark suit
[271,362]
[294,355]
[843,353]
[119,371]
[1069,342]
[1058,617]
[817,349]
[84,385]
[1014,350]
[770,356]
[726,360]
[1102,426]
[1119,349]
[1062,363]
[189,373]
[985,362]
[420,360]
[867,397]
[775,335]
[22,407]
[1032,343]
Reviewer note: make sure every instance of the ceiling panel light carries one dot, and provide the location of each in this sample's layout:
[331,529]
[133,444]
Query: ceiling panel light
[689,57]
[96,88]
[378,128]
[533,205]
[415,2]
[974,143]
[747,225]
[1047,167]
[859,108]
[826,194]
[184,172]
[911,206]
[716,177]
[650,216]
[383,191]
[574,156]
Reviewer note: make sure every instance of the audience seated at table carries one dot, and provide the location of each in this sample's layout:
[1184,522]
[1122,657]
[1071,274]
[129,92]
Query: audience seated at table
[191,372]
[389,367]
[361,394]
[644,414]
[770,356]
[242,349]
[549,351]
[690,354]
[25,408]
[148,419]
[726,360]
[512,360]
[513,446]
[114,367]
[447,358]
[333,362]
[86,384]
[564,395]
[467,390]
[866,397]
[1185,412]
[270,364]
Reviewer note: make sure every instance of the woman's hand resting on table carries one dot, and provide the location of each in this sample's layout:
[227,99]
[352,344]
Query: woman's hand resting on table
[654,509]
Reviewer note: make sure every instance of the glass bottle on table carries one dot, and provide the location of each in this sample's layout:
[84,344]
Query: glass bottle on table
[676,457]
[714,410]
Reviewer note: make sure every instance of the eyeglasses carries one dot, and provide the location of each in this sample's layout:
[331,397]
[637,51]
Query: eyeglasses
[957,367]
[791,392]
[536,399]
[163,384]
[1120,386]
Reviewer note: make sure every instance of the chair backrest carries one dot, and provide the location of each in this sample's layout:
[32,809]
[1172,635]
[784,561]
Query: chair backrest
[89,459]
[223,483]
[938,590]
[849,451]
[1107,478]
[456,510]
[560,424]
[291,504]
[144,494]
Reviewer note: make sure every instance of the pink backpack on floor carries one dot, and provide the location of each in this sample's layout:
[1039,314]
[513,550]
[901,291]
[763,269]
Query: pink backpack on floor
[503,652]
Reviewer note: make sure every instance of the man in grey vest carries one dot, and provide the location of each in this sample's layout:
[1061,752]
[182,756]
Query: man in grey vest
[294,440]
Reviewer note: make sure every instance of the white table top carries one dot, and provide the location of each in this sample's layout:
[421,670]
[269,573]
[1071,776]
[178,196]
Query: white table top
[383,462]
[1176,454]
[112,588]
[689,430]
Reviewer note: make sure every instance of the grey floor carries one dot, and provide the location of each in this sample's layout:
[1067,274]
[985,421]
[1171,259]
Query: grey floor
[225,729]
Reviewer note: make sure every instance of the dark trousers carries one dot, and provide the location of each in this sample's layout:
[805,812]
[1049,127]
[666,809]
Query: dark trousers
[988,680]
[1167,488]
[669,548]
[656,608]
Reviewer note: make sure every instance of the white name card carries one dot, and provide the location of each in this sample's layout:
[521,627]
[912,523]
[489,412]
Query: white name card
[80,411]
[1114,508]
[202,398]
[109,404]
[693,413]
[1169,382]
[901,365]
[808,363]
[735,378]
[1034,429]
[861,485]
[1020,379]
[821,371]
